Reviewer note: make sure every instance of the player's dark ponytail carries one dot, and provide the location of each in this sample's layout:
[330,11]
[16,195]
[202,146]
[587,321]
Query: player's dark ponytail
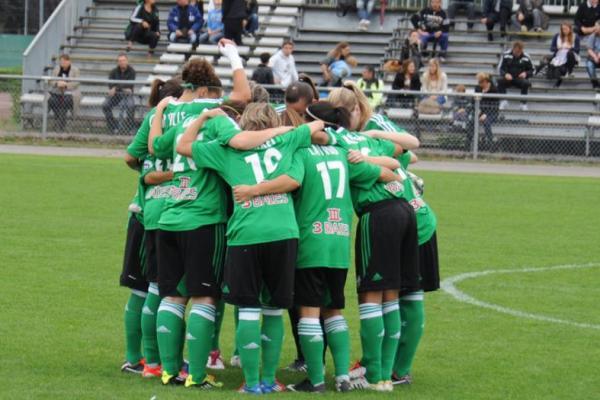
[326,112]
[161,89]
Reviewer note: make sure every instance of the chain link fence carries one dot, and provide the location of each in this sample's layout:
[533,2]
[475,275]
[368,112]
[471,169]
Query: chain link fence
[457,124]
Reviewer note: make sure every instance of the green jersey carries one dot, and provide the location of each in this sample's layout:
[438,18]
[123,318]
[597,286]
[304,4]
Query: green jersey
[138,147]
[264,218]
[380,191]
[382,123]
[153,196]
[177,111]
[323,203]
[198,195]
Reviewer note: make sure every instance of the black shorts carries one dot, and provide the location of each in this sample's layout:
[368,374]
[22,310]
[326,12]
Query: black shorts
[150,244]
[386,247]
[320,287]
[190,263]
[261,274]
[133,275]
[429,265]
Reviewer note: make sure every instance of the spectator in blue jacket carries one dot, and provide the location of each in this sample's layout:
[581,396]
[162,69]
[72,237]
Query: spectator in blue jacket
[184,22]
[494,11]
[214,25]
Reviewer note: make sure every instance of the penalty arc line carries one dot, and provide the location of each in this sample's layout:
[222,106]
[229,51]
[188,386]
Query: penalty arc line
[449,286]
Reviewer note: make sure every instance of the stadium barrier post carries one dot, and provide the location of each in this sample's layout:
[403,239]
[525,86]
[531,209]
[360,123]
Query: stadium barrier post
[44,83]
[476,127]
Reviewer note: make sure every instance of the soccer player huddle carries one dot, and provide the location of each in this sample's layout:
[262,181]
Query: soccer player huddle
[252,204]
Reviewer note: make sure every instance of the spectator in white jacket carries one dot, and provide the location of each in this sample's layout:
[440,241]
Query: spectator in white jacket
[283,65]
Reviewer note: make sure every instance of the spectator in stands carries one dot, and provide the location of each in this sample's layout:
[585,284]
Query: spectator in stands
[593,51]
[435,80]
[495,11]
[488,110]
[64,95]
[144,26]
[515,69]
[585,19]
[341,69]
[565,54]
[433,25]
[199,5]
[406,79]
[120,95]
[283,65]
[461,108]
[263,74]
[411,49]
[530,15]
[364,9]
[251,21]
[369,82]
[214,25]
[234,14]
[340,52]
[184,23]
[467,5]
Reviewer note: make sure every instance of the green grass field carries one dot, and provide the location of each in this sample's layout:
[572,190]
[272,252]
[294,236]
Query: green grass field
[62,231]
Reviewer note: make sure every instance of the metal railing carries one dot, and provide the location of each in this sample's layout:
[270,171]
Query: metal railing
[418,4]
[50,37]
[552,127]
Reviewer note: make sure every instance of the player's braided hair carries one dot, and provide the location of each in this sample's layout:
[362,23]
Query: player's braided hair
[198,73]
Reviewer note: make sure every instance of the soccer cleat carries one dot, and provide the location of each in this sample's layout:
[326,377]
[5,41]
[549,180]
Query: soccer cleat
[273,388]
[296,366]
[401,380]
[152,372]
[215,361]
[130,368]
[359,383]
[357,371]
[250,390]
[167,379]
[235,361]
[378,387]
[307,387]
[388,386]
[209,382]
[343,386]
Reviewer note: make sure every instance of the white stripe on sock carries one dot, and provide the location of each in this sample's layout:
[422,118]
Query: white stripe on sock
[139,293]
[153,288]
[272,312]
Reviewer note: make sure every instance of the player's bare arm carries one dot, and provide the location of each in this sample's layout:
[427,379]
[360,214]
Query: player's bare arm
[247,140]
[281,184]
[405,140]
[156,127]
[184,147]
[158,177]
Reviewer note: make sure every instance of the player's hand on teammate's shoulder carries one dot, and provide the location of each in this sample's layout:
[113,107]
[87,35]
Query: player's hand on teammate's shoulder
[355,157]
[164,103]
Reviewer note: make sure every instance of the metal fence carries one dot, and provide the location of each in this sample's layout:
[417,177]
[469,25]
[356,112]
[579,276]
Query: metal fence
[462,124]
[418,4]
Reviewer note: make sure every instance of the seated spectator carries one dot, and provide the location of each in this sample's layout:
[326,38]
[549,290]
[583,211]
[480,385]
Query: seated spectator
[494,11]
[214,25]
[406,79]
[263,74]
[364,8]
[251,21]
[284,65]
[64,95]
[411,49]
[199,5]
[587,14]
[435,80]
[339,52]
[515,69]
[488,110]
[565,54]
[530,15]
[341,69]
[593,61]
[144,26]
[461,108]
[369,82]
[121,96]
[184,23]
[467,5]
[234,15]
[432,25]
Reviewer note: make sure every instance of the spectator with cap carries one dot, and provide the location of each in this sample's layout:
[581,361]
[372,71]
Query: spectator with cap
[372,86]
[214,25]
[593,52]
[64,95]
[144,26]
[284,65]
[515,70]
[496,11]
[184,23]
[467,5]
[120,95]
[432,24]
[263,74]
[587,14]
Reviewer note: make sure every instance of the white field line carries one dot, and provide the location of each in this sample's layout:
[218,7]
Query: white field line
[449,286]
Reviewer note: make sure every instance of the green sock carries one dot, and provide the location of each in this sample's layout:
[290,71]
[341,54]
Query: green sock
[149,341]
[133,326]
[338,339]
[170,330]
[248,343]
[200,330]
[391,323]
[310,334]
[412,313]
[220,311]
[371,337]
[236,320]
[272,340]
